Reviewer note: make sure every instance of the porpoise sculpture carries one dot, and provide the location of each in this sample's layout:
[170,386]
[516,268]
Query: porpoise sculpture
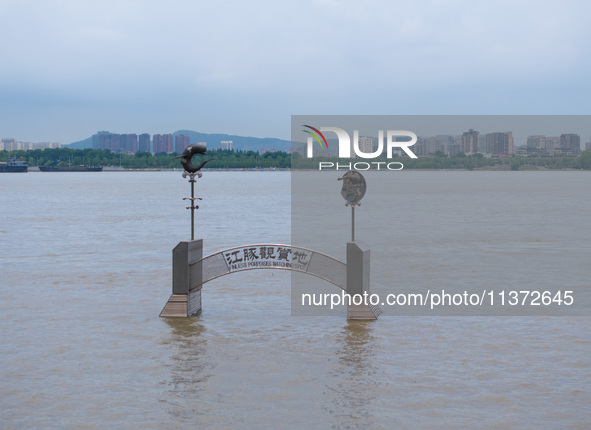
[187,156]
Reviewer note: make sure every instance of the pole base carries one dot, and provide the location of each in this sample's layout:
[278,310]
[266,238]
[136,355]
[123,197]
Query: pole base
[182,305]
[176,306]
[363,312]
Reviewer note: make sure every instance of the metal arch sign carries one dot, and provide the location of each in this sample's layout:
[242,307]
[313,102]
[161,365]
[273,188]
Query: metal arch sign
[271,256]
[267,256]
[191,272]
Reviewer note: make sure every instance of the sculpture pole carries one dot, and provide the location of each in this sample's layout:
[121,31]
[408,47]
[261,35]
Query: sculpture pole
[191,170]
[352,223]
[353,190]
[192,198]
[192,181]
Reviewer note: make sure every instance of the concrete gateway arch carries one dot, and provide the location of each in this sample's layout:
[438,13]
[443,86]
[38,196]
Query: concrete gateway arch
[190,271]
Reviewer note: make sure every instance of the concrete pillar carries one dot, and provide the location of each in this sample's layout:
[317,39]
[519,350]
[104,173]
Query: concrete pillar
[183,276]
[186,280]
[358,264]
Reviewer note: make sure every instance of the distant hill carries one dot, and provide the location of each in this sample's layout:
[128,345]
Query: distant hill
[240,143]
[81,144]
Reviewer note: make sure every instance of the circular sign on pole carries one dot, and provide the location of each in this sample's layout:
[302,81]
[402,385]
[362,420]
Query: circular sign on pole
[354,187]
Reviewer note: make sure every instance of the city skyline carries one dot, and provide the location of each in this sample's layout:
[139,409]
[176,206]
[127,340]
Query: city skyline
[469,142]
[553,130]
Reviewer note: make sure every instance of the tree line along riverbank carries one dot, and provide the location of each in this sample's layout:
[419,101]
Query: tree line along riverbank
[250,159]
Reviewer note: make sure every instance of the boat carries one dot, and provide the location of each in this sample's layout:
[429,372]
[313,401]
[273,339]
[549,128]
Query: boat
[70,169]
[14,166]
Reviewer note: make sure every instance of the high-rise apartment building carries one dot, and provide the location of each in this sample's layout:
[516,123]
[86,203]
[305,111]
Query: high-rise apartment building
[366,144]
[156,143]
[448,144]
[109,141]
[115,142]
[162,143]
[570,142]
[536,145]
[96,144]
[169,143]
[144,142]
[553,146]
[181,141]
[11,144]
[499,143]
[552,142]
[128,143]
[424,146]
[227,145]
[471,142]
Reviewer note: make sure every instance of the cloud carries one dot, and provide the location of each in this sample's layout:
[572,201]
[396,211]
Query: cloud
[277,57]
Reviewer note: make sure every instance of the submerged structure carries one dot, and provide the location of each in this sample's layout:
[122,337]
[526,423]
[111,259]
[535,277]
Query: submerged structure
[191,270]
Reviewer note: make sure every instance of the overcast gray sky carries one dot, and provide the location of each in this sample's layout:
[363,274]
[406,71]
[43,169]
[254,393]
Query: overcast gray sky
[70,68]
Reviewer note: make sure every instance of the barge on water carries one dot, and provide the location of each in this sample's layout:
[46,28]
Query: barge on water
[14,166]
[70,169]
